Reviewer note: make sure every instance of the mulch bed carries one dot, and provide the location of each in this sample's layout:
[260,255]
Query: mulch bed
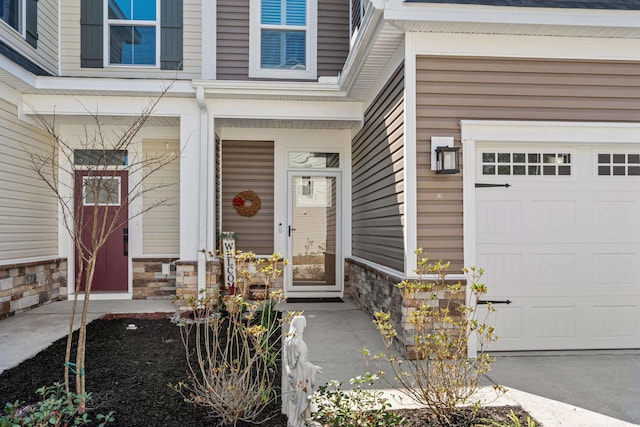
[128,371]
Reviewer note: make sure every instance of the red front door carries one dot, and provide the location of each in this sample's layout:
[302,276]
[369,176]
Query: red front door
[105,192]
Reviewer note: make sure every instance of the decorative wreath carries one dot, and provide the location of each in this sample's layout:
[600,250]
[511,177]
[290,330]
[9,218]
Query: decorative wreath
[247,203]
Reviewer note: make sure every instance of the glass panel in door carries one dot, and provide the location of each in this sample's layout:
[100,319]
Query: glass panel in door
[313,232]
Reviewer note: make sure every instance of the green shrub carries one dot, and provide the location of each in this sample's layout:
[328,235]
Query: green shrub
[52,410]
[442,377]
[359,407]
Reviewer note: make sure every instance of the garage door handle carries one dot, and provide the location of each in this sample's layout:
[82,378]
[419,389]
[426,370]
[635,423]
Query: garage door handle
[493,301]
[480,185]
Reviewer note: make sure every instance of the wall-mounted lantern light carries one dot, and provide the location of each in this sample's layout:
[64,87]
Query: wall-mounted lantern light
[445,158]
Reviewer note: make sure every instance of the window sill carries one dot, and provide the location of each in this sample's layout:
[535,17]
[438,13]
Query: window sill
[283,74]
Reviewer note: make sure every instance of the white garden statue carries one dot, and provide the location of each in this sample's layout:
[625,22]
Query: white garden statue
[300,375]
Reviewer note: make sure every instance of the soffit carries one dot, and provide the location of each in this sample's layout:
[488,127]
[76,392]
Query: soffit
[286,124]
[111,120]
[378,53]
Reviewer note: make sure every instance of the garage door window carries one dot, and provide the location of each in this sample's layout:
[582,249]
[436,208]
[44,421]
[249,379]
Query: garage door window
[618,164]
[521,163]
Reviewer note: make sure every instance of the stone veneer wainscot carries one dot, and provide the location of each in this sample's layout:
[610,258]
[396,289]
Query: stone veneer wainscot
[30,284]
[374,290]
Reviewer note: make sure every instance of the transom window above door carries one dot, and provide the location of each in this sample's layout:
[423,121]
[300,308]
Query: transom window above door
[521,163]
[283,39]
[133,29]
[313,160]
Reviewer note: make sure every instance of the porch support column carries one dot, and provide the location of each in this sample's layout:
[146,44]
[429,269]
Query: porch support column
[203,196]
[189,184]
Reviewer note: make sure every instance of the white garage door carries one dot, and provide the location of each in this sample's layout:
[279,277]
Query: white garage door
[562,242]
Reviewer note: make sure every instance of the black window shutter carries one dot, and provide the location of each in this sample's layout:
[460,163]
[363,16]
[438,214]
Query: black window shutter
[171,34]
[32,22]
[91,37]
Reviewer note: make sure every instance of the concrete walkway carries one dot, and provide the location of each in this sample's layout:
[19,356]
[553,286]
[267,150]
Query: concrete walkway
[592,389]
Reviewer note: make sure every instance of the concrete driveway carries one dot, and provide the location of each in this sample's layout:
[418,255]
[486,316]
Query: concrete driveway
[606,382]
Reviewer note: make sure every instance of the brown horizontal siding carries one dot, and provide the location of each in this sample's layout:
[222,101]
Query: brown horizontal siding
[248,165]
[232,40]
[333,36]
[451,89]
[378,179]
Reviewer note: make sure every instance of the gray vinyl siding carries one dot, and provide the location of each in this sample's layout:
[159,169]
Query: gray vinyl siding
[233,38]
[191,43]
[248,165]
[46,53]
[378,179]
[450,89]
[28,209]
[333,36]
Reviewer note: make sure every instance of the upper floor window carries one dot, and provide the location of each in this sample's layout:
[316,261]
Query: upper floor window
[22,16]
[11,13]
[283,39]
[133,30]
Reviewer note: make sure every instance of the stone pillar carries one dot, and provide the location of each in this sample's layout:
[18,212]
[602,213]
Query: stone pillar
[187,277]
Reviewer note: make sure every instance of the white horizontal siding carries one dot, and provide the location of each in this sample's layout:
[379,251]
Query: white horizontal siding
[46,55]
[28,210]
[161,225]
[192,47]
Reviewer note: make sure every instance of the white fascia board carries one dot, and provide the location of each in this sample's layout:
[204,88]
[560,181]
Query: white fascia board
[17,71]
[104,105]
[79,84]
[432,12]
[446,44]
[270,88]
[285,110]
[546,131]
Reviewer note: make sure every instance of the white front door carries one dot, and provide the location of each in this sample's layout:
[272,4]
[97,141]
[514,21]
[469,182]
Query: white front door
[562,243]
[314,235]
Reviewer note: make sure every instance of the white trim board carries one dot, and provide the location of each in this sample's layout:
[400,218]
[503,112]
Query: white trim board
[527,46]
[401,11]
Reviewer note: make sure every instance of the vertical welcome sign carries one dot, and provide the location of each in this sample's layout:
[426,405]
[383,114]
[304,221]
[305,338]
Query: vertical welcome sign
[229,252]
